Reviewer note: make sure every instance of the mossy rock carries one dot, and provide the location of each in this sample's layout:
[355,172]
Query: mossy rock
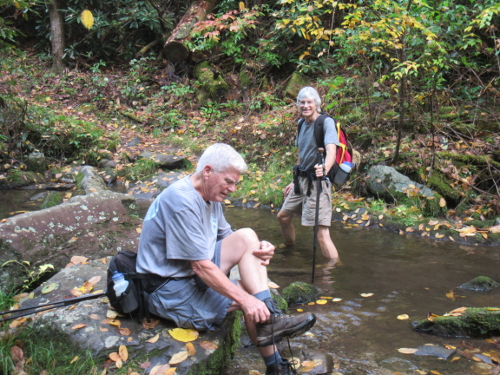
[474,322]
[439,182]
[280,301]
[245,79]
[480,284]
[299,292]
[295,83]
[21,178]
[212,82]
[52,199]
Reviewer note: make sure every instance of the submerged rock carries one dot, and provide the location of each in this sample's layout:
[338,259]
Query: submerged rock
[436,351]
[480,284]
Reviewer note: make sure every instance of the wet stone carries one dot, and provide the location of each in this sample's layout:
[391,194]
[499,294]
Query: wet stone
[436,351]
[397,364]
[480,284]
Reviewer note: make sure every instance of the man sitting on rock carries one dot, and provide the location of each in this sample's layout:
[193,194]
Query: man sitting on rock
[186,238]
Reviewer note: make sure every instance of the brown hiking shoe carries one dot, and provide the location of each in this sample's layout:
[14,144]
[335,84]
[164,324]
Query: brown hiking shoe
[280,326]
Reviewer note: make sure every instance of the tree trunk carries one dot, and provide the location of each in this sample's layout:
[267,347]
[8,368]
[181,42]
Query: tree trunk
[57,36]
[175,50]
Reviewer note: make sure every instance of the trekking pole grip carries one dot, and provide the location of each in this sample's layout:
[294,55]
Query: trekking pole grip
[321,160]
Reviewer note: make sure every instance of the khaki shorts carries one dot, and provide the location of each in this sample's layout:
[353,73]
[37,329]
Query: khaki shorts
[301,204]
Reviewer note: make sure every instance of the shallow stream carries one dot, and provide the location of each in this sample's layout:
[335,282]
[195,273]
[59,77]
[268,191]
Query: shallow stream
[406,274]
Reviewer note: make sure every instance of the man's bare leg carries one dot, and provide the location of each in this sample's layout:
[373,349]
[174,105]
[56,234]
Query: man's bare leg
[238,248]
[287,228]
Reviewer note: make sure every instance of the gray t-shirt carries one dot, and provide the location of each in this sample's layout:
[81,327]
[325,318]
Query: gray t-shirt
[306,142]
[179,227]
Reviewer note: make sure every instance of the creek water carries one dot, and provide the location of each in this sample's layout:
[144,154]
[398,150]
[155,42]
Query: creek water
[406,274]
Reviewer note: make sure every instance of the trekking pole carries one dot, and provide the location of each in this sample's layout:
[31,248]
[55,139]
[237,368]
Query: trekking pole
[48,306]
[316,218]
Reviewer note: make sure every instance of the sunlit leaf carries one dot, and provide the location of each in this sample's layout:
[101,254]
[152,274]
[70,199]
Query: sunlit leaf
[178,357]
[74,359]
[321,301]
[272,285]
[185,335]
[366,294]
[403,317]
[154,339]
[300,310]
[114,356]
[160,369]
[336,299]
[407,350]
[78,326]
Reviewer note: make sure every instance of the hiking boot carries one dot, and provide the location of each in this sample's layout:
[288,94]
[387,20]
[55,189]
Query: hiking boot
[283,368]
[272,306]
[280,326]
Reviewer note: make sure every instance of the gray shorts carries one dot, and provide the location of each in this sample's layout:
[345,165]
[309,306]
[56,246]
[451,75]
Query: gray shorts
[301,204]
[189,302]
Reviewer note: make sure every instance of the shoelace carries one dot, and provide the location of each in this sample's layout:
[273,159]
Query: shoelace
[289,346]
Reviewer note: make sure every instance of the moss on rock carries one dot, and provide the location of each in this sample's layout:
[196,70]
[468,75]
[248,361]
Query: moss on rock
[299,292]
[474,322]
[480,284]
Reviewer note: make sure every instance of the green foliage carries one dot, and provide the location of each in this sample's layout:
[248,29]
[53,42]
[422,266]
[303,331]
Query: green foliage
[144,168]
[31,128]
[32,276]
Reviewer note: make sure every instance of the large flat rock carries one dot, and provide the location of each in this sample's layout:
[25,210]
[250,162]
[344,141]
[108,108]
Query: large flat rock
[91,325]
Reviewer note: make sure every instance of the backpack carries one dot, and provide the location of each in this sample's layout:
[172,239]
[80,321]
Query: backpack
[344,152]
[134,300]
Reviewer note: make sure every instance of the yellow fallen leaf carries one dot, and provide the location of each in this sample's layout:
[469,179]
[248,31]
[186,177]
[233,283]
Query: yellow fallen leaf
[442,202]
[407,350]
[300,310]
[118,363]
[433,222]
[403,317]
[434,372]
[138,230]
[178,357]
[78,326]
[114,356]
[366,294]
[311,303]
[337,299]
[190,348]
[325,297]
[227,201]
[102,329]
[184,335]
[321,301]
[123,353]
[74,359]
[111,314]
[438,235]
[154,339]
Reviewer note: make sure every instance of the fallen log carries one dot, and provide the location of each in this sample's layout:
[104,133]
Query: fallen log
[175,49]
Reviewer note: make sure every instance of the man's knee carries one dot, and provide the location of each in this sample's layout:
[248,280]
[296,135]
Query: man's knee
[247,235]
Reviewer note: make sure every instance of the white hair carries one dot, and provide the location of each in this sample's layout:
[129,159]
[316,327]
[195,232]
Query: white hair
[221,157]
[309,92]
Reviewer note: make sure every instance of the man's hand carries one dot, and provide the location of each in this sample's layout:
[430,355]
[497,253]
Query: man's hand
[265,252]
[288,189]
[255,310]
